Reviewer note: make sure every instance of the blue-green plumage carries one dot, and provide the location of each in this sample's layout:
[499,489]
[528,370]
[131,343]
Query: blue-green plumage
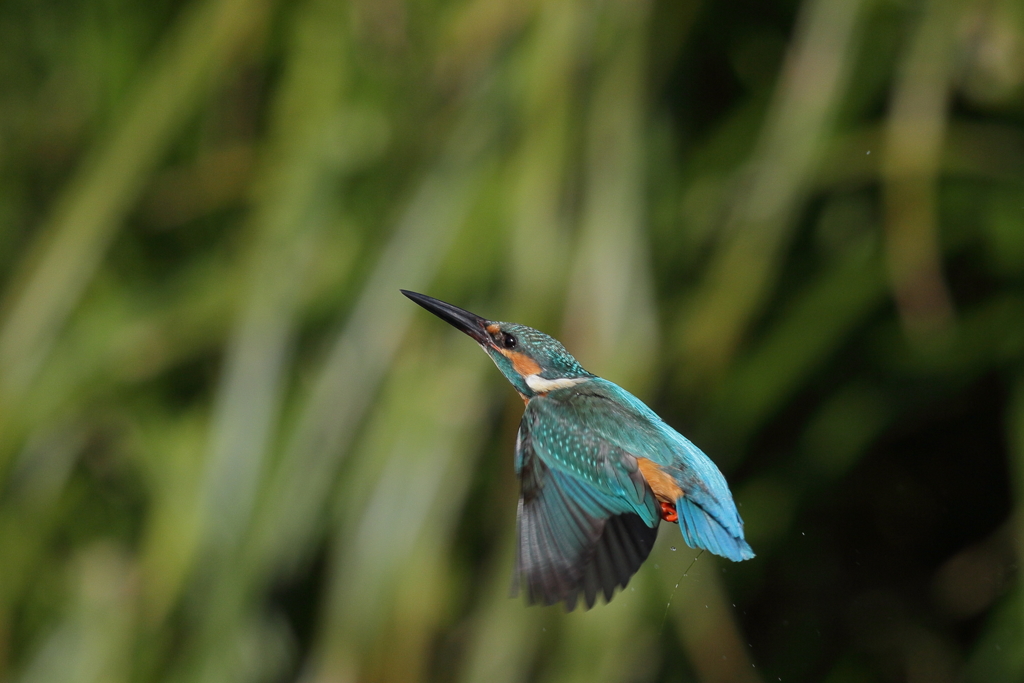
[598,470]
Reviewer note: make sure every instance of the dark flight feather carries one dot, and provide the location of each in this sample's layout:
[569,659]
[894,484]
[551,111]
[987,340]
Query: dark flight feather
[573,539]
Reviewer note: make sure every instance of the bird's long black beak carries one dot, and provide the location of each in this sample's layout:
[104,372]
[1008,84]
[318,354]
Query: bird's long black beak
[470,323]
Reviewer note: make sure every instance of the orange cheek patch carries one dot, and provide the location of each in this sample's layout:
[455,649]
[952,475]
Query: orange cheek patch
[524,365]
[521,363]
[493,329]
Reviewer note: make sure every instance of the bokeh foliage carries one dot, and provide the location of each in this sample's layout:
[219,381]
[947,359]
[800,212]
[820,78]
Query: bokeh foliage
[231,451]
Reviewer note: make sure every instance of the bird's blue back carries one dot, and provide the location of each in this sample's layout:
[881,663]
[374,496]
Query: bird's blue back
[707,514]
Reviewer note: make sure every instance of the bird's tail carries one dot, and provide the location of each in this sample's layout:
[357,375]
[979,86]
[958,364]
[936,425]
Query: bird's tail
[702,530]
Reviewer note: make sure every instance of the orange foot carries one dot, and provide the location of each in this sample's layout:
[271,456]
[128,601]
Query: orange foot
[668,512]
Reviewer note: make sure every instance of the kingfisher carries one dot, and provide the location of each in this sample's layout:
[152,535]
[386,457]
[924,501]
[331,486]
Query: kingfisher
[598,471]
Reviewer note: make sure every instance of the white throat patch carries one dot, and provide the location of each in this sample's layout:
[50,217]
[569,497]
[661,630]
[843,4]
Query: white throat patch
[543,386]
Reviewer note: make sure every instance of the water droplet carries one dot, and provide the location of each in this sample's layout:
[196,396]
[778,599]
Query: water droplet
[673,548]
[677,585]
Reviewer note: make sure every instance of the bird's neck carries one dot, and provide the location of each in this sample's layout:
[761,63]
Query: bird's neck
[541,385]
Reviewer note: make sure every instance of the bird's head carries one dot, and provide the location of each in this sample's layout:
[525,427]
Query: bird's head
[532,361]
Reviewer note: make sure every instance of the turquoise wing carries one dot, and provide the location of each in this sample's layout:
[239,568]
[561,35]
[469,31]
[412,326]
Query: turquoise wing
[574,538]
[600,412]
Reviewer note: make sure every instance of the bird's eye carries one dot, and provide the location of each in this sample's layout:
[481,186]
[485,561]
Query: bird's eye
[508,341]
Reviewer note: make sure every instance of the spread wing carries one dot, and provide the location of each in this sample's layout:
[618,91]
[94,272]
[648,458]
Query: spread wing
[599,414]
[577,534]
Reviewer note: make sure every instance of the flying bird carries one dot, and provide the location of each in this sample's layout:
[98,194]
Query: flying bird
[598,471]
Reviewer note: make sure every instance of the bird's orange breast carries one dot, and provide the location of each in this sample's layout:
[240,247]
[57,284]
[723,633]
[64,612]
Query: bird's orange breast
[664,486]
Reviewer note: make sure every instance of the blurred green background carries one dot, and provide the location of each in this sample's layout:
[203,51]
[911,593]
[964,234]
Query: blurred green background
[230,450]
